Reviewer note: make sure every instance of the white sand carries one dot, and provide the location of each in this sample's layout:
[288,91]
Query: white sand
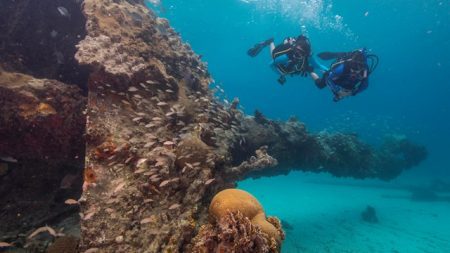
[326,217]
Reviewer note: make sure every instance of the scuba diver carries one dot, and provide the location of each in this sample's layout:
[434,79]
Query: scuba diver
[348,75]
[289,58]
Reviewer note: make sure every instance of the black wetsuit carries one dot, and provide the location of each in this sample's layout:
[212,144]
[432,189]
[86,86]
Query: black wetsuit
[297,51]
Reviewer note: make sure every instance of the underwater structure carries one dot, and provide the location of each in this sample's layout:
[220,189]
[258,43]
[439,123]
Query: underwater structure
[110,116]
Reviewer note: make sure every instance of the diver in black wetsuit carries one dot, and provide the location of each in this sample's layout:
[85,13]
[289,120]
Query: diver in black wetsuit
[348,75]
[289,58]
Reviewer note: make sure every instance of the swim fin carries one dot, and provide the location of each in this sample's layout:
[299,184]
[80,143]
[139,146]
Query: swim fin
[254,51]
[331,55]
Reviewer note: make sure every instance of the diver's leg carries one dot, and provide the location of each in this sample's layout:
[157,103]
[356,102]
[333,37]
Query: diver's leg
[272,47]
[254,51]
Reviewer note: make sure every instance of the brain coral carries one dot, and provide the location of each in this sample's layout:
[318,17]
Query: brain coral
[234,200]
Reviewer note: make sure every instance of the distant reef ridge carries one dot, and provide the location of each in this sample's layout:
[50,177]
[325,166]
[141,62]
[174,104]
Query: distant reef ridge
[108,129]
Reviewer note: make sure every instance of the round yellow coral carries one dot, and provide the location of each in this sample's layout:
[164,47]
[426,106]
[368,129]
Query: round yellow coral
[233,200]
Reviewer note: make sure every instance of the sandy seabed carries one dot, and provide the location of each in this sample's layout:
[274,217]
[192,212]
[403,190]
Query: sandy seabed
[325,214]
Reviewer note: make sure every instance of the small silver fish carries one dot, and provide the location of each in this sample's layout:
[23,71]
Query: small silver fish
[63,11]
[53,33]
[155,2]
[8,159]
[59,57]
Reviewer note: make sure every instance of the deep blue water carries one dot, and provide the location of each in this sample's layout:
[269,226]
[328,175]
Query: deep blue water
[408,94]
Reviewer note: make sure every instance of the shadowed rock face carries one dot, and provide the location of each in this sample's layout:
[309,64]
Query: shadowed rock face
[41,119]
[36,39]
[42,124]
[158,145]
[41,127]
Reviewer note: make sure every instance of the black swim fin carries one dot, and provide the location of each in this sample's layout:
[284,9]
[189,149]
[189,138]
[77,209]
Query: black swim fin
[254,51]
[330,55]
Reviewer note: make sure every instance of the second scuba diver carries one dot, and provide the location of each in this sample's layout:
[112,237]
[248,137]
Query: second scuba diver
[289,58]
[348,75]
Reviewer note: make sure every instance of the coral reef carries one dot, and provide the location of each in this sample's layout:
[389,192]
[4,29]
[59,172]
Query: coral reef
[339,154]
[158,144]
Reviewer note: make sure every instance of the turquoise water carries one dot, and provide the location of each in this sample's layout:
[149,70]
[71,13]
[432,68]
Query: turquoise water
[408,94]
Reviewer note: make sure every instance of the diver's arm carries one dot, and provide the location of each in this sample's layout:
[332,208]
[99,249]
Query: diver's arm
[320,82]
[317,80]
[315,64]
[333,74]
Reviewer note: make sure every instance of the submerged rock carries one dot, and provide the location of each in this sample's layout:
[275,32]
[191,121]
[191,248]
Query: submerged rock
[369,215]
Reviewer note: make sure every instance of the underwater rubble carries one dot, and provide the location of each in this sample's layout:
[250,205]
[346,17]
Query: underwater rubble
[157,144]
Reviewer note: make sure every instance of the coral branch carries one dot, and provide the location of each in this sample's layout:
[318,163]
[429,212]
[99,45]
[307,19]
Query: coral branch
[261,161]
